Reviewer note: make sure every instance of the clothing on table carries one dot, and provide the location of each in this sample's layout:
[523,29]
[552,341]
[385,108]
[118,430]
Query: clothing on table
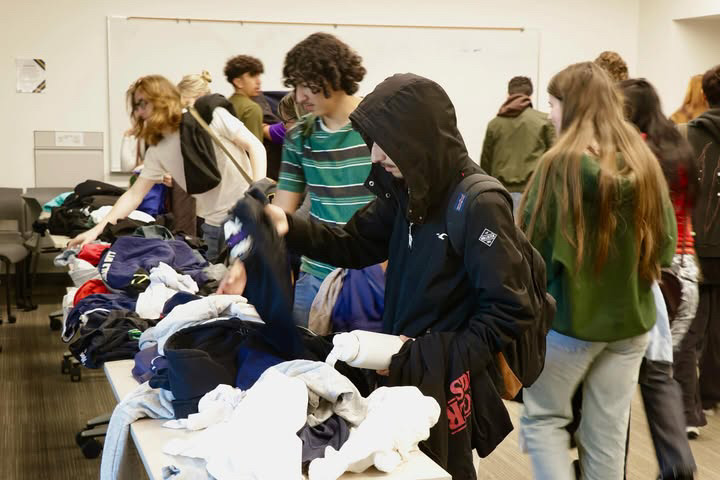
[92,252]
[55,202]
[89,288]
[104,303]
[142,402]
[128,227]
[514,142]
[132,256]
[166,157]
[98,215]
[311,160]
[115,339]
[397,420]
[165,282]
[198,312]
[147,362]
[180,298]
[249,113]
[230,455]
[333,432]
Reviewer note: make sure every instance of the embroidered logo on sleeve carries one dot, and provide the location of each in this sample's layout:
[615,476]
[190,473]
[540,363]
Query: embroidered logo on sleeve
[488,237]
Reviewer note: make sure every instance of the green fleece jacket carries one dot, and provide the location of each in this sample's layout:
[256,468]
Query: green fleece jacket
[615,303]
[514,142]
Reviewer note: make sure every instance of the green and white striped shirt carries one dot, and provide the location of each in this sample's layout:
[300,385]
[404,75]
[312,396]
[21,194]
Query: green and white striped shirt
[333,165]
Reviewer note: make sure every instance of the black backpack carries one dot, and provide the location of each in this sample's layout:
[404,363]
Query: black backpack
[525,357]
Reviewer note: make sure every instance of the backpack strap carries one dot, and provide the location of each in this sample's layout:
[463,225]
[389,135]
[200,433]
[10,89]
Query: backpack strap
[463,196]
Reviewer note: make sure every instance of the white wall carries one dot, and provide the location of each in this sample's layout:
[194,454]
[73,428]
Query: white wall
[71,36]
[677,40]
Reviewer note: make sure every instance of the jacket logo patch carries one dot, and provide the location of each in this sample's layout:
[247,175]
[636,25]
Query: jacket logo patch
[488,237]
[460,202]
[460,406]
[441,236]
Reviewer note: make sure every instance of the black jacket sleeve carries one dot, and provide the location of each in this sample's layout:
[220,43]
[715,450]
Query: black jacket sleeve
[505,303]
[362,242]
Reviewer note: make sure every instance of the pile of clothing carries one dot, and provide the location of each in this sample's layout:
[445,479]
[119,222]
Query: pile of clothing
[77,211]
[213,363]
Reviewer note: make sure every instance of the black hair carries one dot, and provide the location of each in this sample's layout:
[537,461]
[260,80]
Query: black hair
[643,108]
[323,62]
[711,86]
[240,65]
[520,85]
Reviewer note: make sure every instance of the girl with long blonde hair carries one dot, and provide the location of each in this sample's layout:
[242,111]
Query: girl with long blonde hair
[158,117]
[598,210]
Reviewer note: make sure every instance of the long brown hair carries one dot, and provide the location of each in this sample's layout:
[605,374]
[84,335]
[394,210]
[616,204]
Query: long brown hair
[167,108]
[592,119]
[694,102]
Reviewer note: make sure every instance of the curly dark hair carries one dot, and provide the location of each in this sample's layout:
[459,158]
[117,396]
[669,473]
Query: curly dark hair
[323,63]
[711,86]
[520,85]
[242,64]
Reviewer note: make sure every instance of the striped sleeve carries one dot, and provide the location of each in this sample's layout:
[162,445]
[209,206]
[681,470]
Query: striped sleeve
[292,177]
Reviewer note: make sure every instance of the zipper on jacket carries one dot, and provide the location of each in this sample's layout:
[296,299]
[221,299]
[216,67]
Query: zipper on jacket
[410,239]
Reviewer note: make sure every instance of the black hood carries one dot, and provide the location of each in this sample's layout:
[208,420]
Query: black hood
[710,122]
[413,120]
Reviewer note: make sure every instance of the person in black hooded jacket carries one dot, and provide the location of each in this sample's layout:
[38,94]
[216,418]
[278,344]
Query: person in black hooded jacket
[460,309]
[703,133]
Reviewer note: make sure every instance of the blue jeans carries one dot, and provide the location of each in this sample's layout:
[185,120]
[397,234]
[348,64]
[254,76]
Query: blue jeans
[306,288]
[609,373]
[214,238]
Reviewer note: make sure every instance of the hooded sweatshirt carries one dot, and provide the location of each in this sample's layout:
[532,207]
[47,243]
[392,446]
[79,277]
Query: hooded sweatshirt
[614,303]
[480,299]
[703,133]
[514,142]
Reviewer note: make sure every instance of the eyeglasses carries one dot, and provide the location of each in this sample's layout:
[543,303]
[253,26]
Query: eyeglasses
[142,103]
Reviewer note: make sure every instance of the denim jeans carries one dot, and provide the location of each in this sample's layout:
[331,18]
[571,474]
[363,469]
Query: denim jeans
[306,288]
[214,238]
[609,373]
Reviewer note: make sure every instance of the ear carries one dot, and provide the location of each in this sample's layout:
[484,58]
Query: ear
[237,83]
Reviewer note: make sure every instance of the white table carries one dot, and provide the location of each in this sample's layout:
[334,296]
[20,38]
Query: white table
[150,436]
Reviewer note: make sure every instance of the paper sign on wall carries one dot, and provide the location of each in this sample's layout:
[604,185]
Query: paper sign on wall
[69,139]
[30,75]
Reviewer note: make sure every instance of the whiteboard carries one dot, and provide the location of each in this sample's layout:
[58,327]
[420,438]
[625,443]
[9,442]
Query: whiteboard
[472,65]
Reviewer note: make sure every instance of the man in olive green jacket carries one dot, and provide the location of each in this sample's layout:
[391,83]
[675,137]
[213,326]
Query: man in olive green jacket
[516,139]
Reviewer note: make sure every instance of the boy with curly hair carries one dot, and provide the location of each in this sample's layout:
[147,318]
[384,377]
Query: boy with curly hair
[243,72]
[323,153]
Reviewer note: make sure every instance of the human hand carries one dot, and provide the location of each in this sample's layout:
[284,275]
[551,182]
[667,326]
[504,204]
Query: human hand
[167,180]
[386,372]
[234,281]
[84,238]
[278,218]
